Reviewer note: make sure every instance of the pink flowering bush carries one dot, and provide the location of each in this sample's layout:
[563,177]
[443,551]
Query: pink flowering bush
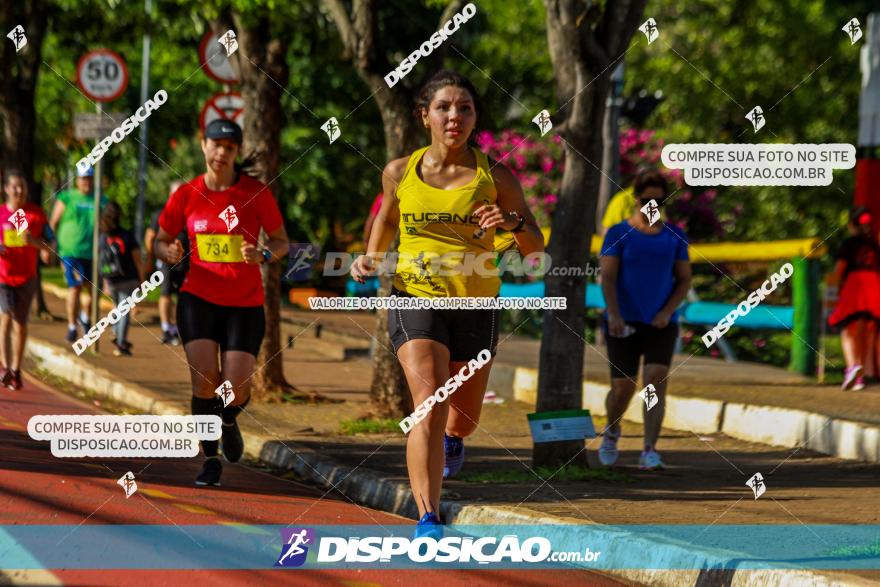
[692,211]
[537,165]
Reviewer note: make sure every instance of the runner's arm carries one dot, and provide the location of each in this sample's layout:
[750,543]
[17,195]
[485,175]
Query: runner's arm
[149,237]
[609,266]
[387,220]
[57,213]
[511,199]
[682,273]
[161,244]
[277,243]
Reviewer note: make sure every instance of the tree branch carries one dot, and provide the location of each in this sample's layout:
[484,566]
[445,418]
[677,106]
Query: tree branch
[343,24]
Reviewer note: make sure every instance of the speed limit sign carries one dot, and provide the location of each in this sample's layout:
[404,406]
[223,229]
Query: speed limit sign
[102,75]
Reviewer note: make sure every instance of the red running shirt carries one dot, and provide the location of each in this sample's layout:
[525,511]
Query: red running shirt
[18,263]
[216,272]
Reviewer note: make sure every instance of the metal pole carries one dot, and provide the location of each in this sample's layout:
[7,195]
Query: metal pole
[96,286]
[142,148]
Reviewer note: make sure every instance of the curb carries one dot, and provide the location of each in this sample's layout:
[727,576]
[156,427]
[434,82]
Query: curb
[790,428]
[370,488]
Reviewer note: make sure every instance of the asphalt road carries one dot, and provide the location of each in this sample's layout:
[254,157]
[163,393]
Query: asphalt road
[37,488]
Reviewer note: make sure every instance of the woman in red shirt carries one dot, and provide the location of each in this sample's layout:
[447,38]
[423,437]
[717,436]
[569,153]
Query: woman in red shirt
[18,272]
[220,307]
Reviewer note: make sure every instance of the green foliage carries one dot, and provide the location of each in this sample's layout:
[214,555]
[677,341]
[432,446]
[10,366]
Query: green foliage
[368,426]
[758,52]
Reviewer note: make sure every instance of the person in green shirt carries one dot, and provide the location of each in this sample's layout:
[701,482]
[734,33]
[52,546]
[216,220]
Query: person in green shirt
[73,221]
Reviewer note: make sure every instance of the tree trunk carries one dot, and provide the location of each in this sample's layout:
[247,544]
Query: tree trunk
[263,73]
[389,395]
[18,80]
[583,57]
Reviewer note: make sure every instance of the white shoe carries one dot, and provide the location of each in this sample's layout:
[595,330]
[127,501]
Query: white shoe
[650,461]
[608,452]
[850,375]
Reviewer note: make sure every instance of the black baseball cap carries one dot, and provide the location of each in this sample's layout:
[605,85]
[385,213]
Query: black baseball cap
[223,129]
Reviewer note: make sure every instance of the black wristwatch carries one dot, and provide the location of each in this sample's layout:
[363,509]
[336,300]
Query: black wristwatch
[521,224]
[267,255]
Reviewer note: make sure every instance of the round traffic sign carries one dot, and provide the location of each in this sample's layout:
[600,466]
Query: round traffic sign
[102,75]
[228,106]
[213,58]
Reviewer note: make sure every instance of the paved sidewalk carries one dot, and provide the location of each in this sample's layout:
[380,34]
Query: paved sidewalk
[705,482]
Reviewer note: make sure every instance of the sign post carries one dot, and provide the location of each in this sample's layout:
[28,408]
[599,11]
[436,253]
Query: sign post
[103,77]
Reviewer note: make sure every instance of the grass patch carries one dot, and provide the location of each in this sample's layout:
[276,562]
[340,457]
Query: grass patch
[569,473]
[369,426]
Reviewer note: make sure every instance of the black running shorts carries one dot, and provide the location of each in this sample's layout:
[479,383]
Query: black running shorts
[464,332]
[624,353]
[234,328]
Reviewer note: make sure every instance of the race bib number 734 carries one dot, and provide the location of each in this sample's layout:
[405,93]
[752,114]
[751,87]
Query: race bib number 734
[219,248]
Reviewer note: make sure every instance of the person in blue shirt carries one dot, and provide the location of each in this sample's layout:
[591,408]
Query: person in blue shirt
[645,276]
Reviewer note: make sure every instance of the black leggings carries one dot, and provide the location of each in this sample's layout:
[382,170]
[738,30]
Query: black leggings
[234,328]
[656,344]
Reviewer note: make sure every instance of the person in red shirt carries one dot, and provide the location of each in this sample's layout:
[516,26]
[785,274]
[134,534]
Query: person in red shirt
[220,306]
[22,226]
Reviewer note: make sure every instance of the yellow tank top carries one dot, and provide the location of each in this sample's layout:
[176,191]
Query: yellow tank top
[440,237]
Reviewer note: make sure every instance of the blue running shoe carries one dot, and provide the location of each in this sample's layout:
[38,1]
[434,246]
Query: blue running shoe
[71,334]
[454,455]
[429,526]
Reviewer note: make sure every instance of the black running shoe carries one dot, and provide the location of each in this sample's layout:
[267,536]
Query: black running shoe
[210,474]
[6,381]
[232,442]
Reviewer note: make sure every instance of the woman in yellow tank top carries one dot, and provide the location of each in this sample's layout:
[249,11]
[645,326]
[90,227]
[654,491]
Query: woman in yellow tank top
[447,200]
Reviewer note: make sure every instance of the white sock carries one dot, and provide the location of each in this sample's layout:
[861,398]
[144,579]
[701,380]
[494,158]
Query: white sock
[83,316]
[166,327]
